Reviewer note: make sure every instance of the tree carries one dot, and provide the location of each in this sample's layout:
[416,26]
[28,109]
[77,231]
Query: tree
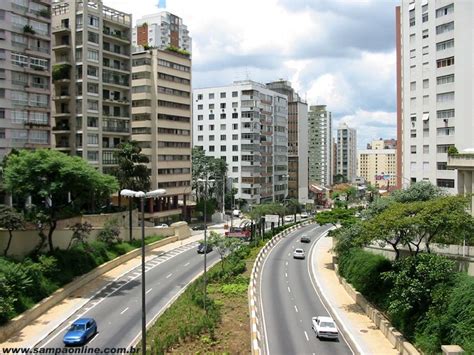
[80,233]
[339,178]
[419,191]
[59,185]
[10,220]
[336,216]
[132,171]
[223,245]
[293,206]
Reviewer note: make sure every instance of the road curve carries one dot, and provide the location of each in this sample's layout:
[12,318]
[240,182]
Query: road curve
[117,308]
[289,300]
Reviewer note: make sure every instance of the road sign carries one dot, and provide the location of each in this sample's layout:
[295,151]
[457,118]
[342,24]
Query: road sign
[269,218]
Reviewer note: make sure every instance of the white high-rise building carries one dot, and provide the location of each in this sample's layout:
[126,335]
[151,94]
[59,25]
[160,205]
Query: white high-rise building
[320,145]
[246,124]
[435,47]
[346,164]
[161,30]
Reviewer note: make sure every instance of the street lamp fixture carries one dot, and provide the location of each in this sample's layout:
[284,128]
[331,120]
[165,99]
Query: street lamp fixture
[142,196]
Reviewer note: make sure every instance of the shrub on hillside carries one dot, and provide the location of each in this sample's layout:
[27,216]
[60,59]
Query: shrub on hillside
[364,271]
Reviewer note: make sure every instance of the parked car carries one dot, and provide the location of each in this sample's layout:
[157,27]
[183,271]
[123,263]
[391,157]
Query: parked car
[201,249]
[162,225]
[80,331]
[324,327]
[304,215]
[298,254]
[198,227]
[288,218]
[305,239]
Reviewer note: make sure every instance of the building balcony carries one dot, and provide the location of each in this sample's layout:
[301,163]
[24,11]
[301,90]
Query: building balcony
[60,29]
[62,129]
[120,37]
[61,47]
[62,97]
[63,145]
[461,161]
[115,129]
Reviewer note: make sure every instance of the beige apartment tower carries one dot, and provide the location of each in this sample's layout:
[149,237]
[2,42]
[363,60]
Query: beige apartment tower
[161,123]
[378,163]
[25,74]
[91,80]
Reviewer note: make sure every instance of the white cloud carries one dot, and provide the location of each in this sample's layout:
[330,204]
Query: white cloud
[332,90]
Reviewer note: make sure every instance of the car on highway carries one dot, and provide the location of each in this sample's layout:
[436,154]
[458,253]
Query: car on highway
[305,239]
[324,327]
[288,218]
[198,227]
[204,248]
[80,332]
[298,254]
[161,225]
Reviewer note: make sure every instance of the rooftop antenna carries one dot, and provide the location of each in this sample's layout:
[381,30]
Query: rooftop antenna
[162,4]
[247,75]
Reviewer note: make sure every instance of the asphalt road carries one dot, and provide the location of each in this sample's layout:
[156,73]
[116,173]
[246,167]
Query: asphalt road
[117,308]
[289,300]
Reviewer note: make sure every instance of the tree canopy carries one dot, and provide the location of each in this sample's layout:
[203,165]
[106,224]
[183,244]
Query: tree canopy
[59,186]
[132,172]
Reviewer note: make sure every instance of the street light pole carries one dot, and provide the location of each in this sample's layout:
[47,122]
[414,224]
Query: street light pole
[142,196]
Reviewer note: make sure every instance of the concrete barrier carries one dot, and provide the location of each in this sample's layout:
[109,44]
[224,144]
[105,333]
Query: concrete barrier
[19,322]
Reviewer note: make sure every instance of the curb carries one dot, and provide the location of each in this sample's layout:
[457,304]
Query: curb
[253,292]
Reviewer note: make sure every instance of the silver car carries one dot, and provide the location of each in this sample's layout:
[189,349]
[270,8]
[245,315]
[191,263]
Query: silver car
[298,254]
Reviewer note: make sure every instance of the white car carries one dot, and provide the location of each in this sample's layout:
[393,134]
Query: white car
[288,218]
[304,215]
[324,327]
[162,225]
[298,254]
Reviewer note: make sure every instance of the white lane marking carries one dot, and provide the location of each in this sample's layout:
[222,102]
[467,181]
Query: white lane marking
[296,309]
[169,276]
[286,263]
[146,293]
[125,310]
[306,335]
[289,289]
[186,264]
[288,255]
[286,275]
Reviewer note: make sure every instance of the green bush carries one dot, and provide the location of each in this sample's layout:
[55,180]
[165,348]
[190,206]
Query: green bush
[61,71]
[364,271]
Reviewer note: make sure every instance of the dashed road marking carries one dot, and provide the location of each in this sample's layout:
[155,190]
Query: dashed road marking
[125,310]
[306,335]
[296,309]
[289,289]
[169,276]
[146,293]
[186,264]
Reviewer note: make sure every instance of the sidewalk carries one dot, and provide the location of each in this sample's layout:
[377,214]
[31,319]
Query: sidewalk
[366,336]
[46,323]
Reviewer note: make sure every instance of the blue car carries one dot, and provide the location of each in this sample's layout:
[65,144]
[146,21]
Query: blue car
[80,331]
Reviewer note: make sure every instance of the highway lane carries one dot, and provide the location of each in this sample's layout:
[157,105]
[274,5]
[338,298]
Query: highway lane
[117,308]
[289,300]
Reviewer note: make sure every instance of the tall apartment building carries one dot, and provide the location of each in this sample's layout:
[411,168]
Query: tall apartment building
[346,164]
[378,163]
[161,30]
[161,123]
[435,42]
[320,145]
[246,124]
[297,141]
[91,80]
[25,74]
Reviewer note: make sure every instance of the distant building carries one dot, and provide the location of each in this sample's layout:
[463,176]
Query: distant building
[320,145]
[246,124]
[346,152]
[297,141]
[161,30]
[378,164]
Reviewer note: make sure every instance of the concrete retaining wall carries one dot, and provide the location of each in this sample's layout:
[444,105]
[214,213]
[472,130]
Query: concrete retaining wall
[30,315]
[394,336]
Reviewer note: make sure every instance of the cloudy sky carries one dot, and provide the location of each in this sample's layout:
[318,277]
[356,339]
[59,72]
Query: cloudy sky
[335,52]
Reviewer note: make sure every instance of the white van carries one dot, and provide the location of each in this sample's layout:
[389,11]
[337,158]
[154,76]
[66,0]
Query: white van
[236,213]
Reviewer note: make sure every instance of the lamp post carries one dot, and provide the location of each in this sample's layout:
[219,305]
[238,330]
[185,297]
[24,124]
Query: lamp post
[143,196]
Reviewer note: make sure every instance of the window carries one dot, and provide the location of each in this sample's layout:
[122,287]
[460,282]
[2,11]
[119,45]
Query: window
[426,83]
[425,34]
[235,169]
[92,105]
[2,93]
[412,17]
[92,37]
[92,71]
[426,99]
[424,17]
[223,137]
[413,86]
[211,138]
[200,127]
[445,131]
[443,148]
[425,50]
[211,96]
[199,107]
[235,137]
[92,155]
[235,104]
[426,149]
[445,113]
[40,27]
[93,21]
[445,27]
[200,117]
[2,133]
[441,165]
[19,59]
[223,116]
[199,96]
[444,97]
[235,126]
[412,39]
[235,115]
[446,10]
[2,113]
[222,105]
[445,79]
[2,54]
[235,148]
[413,149]
[93,55]
[211,106]
[223,148]
[223,126]
[413,133]
[211,148]
[445,62]
[413,53]
[211,127]
[211,116]
[235,93]
[448,183]
[92,139]
[441,46]
[200,138]
[222,95]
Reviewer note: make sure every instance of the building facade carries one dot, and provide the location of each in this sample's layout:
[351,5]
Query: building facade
[161,124]
[161,30]
[320,145]
[246,124]
[435,48]
[378,163]
[346,164]
[91,80]
[297,141]
[25,74]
